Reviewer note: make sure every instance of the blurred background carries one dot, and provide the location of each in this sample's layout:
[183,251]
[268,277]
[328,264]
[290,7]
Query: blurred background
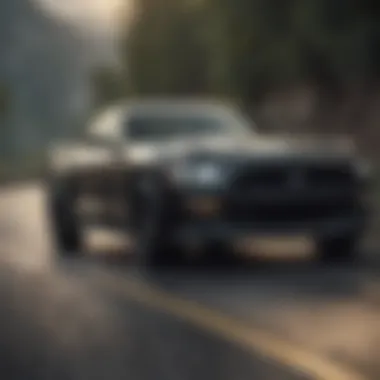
[299,66]
[295,66]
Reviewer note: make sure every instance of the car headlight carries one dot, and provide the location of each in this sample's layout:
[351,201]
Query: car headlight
[206,174]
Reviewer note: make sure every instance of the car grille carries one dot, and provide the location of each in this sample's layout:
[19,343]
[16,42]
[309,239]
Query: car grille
[287,178]
[298,194]
[287,212]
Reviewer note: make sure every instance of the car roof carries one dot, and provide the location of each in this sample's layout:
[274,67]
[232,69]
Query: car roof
[109,120]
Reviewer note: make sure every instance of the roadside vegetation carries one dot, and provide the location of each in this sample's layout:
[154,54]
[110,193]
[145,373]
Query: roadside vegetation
[295,65]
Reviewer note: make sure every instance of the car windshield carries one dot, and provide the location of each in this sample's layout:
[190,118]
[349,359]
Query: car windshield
[152,127]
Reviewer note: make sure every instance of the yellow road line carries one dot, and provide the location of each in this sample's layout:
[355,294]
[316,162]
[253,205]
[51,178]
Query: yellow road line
[248,337]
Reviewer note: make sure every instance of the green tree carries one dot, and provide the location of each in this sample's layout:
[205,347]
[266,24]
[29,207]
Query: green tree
[109,85]
[165,51]
[245,48]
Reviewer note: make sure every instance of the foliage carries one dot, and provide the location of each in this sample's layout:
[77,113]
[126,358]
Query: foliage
[108,85]
[165,52]
[244,48]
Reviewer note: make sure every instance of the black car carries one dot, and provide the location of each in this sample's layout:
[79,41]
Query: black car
[192,175]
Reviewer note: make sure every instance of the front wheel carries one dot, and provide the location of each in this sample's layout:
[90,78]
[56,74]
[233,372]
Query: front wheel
[64,223]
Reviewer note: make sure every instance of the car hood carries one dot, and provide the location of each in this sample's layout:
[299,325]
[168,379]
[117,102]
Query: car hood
[258,147]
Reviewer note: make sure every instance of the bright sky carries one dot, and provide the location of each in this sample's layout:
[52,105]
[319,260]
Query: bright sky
[98,19]
[90,13]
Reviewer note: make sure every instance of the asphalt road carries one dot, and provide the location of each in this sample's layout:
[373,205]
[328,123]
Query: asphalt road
[90,319]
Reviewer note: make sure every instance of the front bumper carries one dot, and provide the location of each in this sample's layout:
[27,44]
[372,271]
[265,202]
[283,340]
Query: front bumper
[224,227]
[202,232]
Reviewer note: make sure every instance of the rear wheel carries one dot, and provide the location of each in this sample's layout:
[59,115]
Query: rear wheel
[218,254]
[64,223]
[338,250]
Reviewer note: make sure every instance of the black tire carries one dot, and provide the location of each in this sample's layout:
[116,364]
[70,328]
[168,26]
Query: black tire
[219,255]
[338,250]
[154,248]
[64,223]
